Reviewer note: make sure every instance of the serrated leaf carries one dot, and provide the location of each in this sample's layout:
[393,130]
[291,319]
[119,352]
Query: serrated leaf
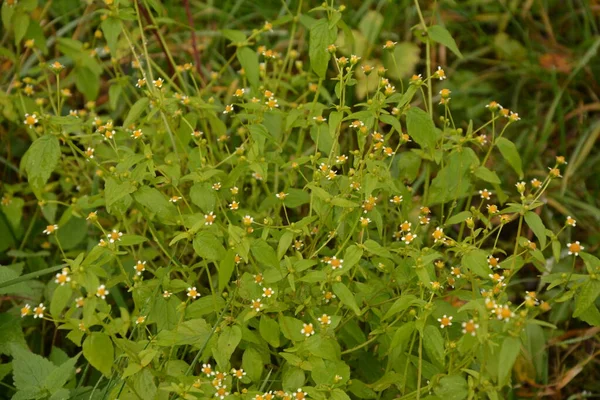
[40,160]
[586,297]
[29,370]
[441,35]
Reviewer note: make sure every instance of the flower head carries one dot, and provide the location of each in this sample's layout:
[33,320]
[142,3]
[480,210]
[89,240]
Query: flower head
[470,327]
[257,305]
[25,310]
[102,292]
[445,321]
[268,292]
[336,263]
[50,229]
[139,267]
[238,373]
[114,236]
[324,319]
[192,292]
[63,277]
[38,312]
[575,248]
[209,218]
[308,330]
[30,120]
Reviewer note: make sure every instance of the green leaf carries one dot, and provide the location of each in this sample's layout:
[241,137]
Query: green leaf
[252,363]
[341,202]
[511,347]
[61,375]
[591,262]
[115,92]
[537,226]
[29,370]
[87,82]
[99,351]
[377,249]
[391,120]
[203,195]
[421,128]
[111,27]
[60,299]
[229,339]
[408,165]
[321,36]
[510,154]
[293,378]
[208,246]
[346,296]
[7,14]
[284,243]
[591,315]
[587,296]
[20,24]
[264,254]
[452,387]
[269,330]
[439,34]
[234,35]
[136,110]
[291,327]
[400,305]
[476,262]
[156,203]
[352,256]
[226,268]
[486,175]
[370,25]
[248,59]
[457,218]
[433,342]
[11,333]
[115,191]
[401,338]
[40,160]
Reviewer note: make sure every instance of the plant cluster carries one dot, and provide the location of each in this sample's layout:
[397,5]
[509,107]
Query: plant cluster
[267,230]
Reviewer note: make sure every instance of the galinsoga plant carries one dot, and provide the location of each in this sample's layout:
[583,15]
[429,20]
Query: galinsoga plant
[301,222]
